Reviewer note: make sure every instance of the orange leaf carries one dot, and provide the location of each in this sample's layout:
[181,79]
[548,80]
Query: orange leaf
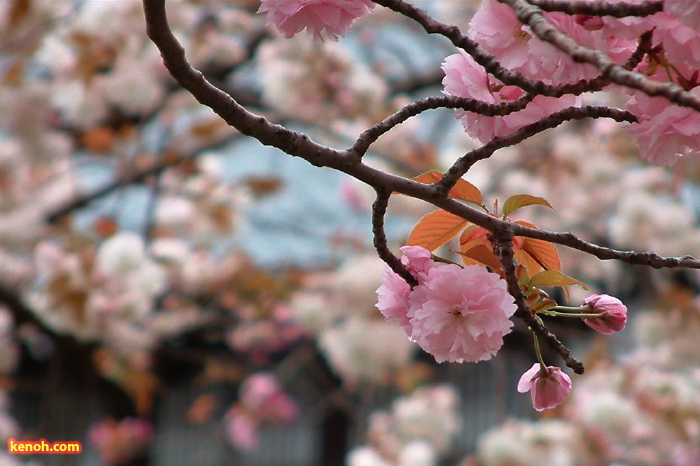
[527,261]
[483,255]
[474,233]
[435,229]
[462,190]
[544,252]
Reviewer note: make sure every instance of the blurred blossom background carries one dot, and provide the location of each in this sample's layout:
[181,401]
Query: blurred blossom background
[173,293]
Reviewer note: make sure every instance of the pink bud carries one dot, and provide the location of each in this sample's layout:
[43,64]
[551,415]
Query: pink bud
[613,314]
[546,390]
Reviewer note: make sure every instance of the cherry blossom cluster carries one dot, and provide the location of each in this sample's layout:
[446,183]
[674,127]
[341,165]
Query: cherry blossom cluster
[455,313]
[460,314]
[316,16]
[664,131]
[613,413]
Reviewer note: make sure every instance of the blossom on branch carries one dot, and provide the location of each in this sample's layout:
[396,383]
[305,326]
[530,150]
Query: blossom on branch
[687,12]
[664,131]
[613,314]
[393,294]
[461,314]
[466,78]
[546,389]
[333,16]
[455,313]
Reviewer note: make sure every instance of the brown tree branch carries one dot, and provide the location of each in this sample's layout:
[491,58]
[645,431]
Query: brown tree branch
[379,237]
[462,165]
[617,10]
[369,136]
[299,145]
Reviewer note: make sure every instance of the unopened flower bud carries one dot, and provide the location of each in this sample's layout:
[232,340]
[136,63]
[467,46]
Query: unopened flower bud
[547,389]
[613,314]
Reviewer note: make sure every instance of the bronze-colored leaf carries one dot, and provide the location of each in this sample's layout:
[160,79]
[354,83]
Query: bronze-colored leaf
[544,252]
[462,190]
[483,255]
[435,229]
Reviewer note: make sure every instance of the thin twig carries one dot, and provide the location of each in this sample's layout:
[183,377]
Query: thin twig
[379,237]
[369,136]
[617,10]
[503,247]
[462,165]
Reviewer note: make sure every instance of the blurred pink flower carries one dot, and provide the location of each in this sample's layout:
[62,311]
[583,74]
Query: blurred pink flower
[681,43]
[613,314]
[546,390]
[333,16]
[260,399]
[262,395]
[460,314]
[242,430]
[120,442]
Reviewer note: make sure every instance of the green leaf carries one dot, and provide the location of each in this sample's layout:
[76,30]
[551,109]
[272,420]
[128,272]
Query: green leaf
[554,278]
[517,201]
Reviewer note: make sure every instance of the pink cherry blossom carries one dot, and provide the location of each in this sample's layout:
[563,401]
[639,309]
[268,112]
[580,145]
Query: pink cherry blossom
[417,260]
[465,78]
[681,43]
[460,314]
[664,131]
[554,66]
[393,294]
[546,390]
[393,300]
[333,16]
[496,28]
[687,12]
[613,314]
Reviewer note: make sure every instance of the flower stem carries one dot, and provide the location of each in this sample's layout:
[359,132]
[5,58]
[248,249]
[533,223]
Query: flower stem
[543,366]
[566,314]
[571,309]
